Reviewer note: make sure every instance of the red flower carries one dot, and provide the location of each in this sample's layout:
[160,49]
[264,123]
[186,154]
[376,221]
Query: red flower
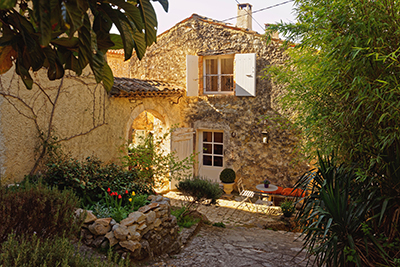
[108,190]
[126,192]
[119,197]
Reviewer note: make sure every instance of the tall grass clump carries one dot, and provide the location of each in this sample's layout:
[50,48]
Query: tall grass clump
[37,209]
[30,250]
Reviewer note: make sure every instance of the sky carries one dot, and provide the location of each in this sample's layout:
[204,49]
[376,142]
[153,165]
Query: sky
[221,10]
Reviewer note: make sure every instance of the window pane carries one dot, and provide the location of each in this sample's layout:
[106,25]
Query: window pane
[207,148]
[227,66]
[211,83]
[218,149]
[218,137]
[212,66]
[227,83]
[207,160]
[207,136]
[218,161]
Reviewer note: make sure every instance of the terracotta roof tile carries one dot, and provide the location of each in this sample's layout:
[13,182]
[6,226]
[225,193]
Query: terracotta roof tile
[127,87]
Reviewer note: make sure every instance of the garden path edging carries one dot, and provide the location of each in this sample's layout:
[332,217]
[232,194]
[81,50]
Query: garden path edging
[151,231]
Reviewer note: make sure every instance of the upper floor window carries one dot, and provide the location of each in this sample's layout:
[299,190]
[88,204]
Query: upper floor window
[218,74]
[222,74]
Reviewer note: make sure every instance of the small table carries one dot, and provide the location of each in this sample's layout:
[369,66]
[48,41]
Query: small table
[262,189]
[271,188]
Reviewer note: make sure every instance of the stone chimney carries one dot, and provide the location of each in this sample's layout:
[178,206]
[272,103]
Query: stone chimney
[244,19]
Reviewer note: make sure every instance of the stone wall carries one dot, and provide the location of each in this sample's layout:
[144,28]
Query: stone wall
[87,121]
[115,60]
[148,232]
[242,118]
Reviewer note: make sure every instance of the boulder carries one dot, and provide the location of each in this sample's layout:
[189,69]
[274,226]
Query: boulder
[150,217]
[134,236]
[100,226]
[111,238]
[149,207]
[134,217]
[121,233]
[157,222]
[130,245]
[89,216]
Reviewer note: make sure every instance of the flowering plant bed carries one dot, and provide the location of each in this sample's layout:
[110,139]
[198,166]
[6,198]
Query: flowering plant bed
[118,205]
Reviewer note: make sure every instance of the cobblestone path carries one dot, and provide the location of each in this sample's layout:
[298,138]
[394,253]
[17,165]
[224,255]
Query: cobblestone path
[242,243]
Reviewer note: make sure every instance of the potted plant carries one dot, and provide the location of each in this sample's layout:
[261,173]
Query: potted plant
[287,208]
[227,177]
[266,183]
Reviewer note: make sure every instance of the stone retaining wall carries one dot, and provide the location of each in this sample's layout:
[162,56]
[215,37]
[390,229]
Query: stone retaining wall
[148,232]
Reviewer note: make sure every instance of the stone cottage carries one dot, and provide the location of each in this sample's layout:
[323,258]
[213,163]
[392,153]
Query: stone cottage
[223,101]
[203,77]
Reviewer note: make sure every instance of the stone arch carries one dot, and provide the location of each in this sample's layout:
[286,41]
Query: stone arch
[156,109]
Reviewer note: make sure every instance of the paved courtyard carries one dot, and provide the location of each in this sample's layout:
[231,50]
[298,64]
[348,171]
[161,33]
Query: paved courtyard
[243,242]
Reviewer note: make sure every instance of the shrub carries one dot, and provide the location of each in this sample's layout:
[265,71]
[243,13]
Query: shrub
[200,189]
[29,209]
[152,163]
[183,220]
[227,176]
[287,208]
[32,251]
[90,179]
[337,218]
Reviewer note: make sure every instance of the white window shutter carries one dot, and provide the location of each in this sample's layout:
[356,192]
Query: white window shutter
[192,75]
[245,74]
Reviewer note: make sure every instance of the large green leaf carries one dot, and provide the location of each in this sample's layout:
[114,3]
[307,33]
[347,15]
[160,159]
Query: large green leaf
[74,16]
[164,4]
[71,62]
[102,26]
[43,14]
[117,40]
[140,42]
[55,68]
[131,11]
[150,21]
[97,66]
[108,78]
[66,42]
[124,28]
[85,54]
[24,74]
[7,39]
[7,4]
[56,20]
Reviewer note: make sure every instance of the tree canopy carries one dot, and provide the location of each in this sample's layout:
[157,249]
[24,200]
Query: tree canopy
[342,89]
[343,77]
[71,34]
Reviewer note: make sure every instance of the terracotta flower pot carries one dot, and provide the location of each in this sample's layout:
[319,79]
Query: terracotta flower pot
[228,188]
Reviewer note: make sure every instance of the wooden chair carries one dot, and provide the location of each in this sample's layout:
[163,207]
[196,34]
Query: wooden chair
[260,205]
[246,195]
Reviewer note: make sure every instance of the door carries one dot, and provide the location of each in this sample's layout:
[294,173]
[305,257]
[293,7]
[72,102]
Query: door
[182,145]
[211,156]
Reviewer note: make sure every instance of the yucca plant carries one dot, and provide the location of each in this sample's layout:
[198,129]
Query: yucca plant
[335,217]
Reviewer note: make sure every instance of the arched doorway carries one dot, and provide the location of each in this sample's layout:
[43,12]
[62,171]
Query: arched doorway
[149,135]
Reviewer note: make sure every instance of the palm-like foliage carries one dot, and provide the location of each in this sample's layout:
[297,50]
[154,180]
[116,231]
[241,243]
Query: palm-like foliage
[336,216]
